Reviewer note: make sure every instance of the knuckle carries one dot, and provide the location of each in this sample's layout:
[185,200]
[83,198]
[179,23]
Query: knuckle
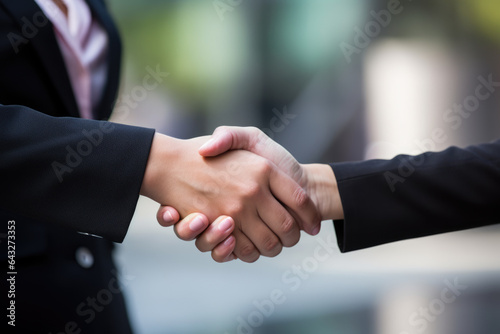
[235,209]
[252,190]
[301,199]
[264,166]
[248,253]
[247,250]
[289,228]
[255,132]
[272,245]
[288,224]
[222,128]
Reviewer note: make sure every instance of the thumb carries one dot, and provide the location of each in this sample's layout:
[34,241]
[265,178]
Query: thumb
[227,138]
[220,142]
[167,216]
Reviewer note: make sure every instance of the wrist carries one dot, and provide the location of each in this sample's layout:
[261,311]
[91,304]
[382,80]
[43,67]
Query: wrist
[323,189]
[162,153]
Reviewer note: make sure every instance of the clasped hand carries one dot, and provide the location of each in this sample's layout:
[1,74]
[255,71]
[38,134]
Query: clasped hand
[241,195]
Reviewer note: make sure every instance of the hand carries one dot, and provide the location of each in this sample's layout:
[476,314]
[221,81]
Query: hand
[318,180]
[239,184]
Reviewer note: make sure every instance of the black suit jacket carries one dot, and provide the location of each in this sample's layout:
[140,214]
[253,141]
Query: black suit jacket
[96,194]
[447,191]
[408,197]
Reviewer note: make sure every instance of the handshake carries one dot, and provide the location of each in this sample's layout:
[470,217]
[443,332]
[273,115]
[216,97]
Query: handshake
[241,195]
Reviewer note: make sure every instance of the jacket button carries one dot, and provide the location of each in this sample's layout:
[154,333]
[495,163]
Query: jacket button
[84,257]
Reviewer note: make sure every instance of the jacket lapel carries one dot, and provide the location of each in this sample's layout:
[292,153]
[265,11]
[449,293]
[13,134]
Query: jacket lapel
[45,44]
[107,102]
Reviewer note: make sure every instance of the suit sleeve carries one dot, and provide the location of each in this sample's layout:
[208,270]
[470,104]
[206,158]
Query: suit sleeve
[414,196]
[83,174]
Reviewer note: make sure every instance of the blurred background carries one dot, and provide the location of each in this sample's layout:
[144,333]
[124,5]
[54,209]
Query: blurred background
[330,80]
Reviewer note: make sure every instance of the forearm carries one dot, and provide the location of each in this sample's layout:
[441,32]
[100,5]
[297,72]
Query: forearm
[83,174]
[407,197]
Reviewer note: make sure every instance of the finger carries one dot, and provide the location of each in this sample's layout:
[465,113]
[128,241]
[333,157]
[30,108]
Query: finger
[219,143]
[227,138]
[216,233]
[223,252]
[280,221]
[251,139]
[296,199]
[244,249]
[191,226]
[266,241]
[167,216]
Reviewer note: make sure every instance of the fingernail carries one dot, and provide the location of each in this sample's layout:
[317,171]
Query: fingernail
[228,241]
[167,217]
[229,258]
[316,230]
[196,224]
[207,144]
[225,225]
